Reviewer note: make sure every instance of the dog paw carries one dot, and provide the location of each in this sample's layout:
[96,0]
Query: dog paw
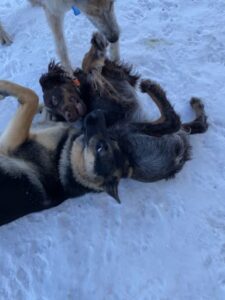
[197,103]
[148,85]
[99,41]
[5,39]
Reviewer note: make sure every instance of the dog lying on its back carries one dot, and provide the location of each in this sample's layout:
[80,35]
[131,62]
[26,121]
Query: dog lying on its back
[47,166]
[110,86]
[42,168]
[106,85]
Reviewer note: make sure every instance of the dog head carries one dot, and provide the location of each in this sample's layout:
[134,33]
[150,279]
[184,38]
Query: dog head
[61,94]
[101,14]
[96,159]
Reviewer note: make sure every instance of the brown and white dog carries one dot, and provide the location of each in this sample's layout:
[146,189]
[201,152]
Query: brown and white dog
[100,12]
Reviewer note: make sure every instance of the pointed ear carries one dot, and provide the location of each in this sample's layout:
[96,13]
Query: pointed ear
[46,82]
[111,188]
[56,68]
[55,76]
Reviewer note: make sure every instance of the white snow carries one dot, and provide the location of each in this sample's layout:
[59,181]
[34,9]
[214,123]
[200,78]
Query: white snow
[167,239]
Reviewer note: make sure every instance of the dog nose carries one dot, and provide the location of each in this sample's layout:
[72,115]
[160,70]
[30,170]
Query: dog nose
[95,117]
[94,123]
[113,38]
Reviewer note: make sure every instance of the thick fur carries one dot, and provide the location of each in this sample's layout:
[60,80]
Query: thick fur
[111,87]
[41,168]
[155,150]
[100,12]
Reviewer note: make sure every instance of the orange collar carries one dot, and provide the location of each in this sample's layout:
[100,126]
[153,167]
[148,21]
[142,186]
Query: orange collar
[76,82]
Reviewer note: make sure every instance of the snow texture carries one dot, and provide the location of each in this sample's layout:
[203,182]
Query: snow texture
[166,241]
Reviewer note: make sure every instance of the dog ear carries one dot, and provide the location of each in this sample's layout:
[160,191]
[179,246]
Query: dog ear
[55,68]
[56,75]
[111,188]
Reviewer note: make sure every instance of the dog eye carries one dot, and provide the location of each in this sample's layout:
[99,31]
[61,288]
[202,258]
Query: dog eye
[101,147]
[67,115]
[54,101]
[74,100]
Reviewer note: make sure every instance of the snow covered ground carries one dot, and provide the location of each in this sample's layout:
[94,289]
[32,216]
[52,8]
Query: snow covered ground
[167,239]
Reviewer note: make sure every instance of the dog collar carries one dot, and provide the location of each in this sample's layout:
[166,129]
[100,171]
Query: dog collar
[76,11]
[76,82]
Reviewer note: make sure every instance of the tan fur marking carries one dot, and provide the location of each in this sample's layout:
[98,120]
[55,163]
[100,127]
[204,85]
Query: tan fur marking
[49,137]
[82,163]
[92,61]
[17,132]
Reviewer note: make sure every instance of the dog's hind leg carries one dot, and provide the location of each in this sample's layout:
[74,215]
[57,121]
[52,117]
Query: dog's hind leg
[4,37]
[169,121]
[17,132]
[199,125]
[56,24]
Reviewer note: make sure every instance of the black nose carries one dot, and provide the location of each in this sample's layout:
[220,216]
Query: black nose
[113,38]
[94,118]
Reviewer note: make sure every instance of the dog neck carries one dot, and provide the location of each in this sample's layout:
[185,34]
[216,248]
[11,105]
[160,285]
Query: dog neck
[71,186]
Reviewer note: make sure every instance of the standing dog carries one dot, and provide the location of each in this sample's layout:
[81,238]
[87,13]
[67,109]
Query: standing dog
[100,12]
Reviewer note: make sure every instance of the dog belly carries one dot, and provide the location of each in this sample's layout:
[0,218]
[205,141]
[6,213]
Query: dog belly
[20,191]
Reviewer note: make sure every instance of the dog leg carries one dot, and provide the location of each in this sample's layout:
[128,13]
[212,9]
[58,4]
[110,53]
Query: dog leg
[114,51]
[17,132]
[94,59]
[199,125]
[4,38]
[169,121]
[56,24]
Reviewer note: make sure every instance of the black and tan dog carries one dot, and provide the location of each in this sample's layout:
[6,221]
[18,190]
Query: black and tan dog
[40,169]
[155,150]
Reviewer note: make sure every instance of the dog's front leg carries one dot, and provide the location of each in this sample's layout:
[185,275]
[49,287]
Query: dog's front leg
[114,51]
[56,24]
[4,38]
[17,132]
